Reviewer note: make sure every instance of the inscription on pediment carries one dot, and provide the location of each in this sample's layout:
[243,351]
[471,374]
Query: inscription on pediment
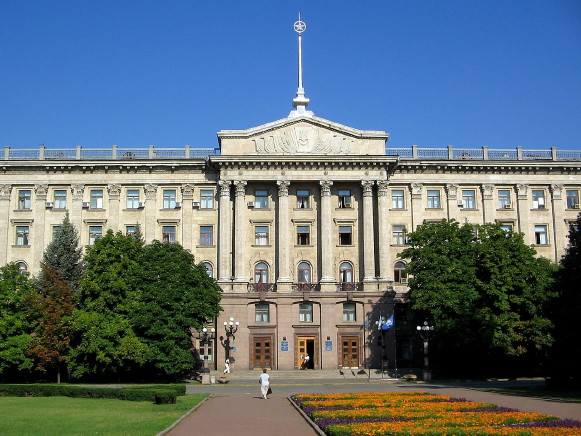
[303,140]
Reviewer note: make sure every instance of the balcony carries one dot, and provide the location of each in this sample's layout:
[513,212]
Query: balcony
[348,287]
[305,287]
[261,287]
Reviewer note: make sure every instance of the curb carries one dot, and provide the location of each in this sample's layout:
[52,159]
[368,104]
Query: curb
[305,416]
[184,416]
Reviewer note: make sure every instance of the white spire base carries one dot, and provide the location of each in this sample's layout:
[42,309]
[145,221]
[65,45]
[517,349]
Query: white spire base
[300,102]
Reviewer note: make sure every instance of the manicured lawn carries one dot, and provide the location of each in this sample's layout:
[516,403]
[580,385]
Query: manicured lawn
[81,416]
[421,413]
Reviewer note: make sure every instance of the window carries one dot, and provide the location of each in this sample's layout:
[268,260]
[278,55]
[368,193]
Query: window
[346,272]
[209,268]
[22,233]
[262,313]
[95,232]
[261,273]
[398,235]
[169,198]
[434,199]
[303,235]
[304,272]
[55,231]
[469,198]
[306,312]
[168,233]
[344,198]
[206,235]
[345,235]
[206,199]
[397,199]
[60,199]
[261,199]
[572,198]
[303,196]
[538,198]
[133,199]
[22,268]
[24,198]
[96,197]
[261,235]
[349,312]
[399,274]
[507,227]
[541,235]
[130,230]
[504,199]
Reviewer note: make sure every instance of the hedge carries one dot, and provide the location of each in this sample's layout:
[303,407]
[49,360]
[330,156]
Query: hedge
[160,394]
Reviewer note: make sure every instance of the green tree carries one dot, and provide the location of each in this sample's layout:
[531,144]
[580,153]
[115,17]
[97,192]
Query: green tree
[177,296]
[566,353]
[64,254]
[15,328]
[104,342]
[52,306]
[486,293]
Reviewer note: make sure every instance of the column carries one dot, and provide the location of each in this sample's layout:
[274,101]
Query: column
[187,216]
[114,191]
[382,229]
[225,234]
[487,203]
[417,205]
[452,200]
[5,191]
[560,227]
[149,225]
[326,236]
[368,232]
[37,227]
[523,208]
[283,234]
[76,209]
[240,233]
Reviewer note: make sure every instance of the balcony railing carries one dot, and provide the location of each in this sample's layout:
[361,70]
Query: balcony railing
[348,287]
[305,287]
[261,287]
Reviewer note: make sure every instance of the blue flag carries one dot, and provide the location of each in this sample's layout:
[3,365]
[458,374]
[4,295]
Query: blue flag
[389,323]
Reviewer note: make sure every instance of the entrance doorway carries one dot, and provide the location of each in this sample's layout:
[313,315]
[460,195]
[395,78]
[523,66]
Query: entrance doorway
[350,352]
[262,352]
[305,346]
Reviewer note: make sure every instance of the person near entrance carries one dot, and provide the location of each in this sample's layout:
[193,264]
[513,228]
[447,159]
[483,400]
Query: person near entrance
[264,381]
[227,366]
[306,361]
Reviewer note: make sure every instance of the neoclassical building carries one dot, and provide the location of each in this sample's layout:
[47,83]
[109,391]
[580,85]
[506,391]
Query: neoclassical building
[300,221]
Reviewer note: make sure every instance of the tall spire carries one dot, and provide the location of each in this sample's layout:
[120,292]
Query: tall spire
[300,102]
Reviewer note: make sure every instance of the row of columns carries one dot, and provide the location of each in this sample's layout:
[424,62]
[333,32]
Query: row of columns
[236,221]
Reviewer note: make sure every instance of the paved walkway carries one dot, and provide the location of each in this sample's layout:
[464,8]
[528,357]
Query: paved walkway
[237,407]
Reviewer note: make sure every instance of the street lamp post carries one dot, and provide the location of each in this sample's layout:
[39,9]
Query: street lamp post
[230,328]
[206,340]
[424,331]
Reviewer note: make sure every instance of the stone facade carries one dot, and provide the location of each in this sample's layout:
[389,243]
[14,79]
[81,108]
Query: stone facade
[300,221]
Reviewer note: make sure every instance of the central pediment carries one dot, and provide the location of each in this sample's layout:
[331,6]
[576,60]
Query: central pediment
[302,136]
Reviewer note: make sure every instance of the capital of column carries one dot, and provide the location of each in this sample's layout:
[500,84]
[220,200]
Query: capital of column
[41,191]
[326,188]
[557,191]
[225,188]
[5,191]
[283,188]
[522,190]
[150,191]
[188,191]
[487,190]
[77,189]
[452,190]
[114,190]
[240,188]
[417,190]
[367,188]
[382,188]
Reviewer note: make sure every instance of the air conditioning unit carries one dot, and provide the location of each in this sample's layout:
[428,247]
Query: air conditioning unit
[250,204]
[460,203]
[576,206]
[196,204]
[508,206]
[141,205]
[49,204]
[178,205]
[542,206]
[86,205]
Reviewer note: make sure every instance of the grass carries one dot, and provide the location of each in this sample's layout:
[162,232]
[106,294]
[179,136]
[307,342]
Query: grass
[539,392]
[80,416]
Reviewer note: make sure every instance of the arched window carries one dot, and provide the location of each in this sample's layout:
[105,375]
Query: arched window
[209,268]
[261,276]
[399,274]
[346,276]
[304,277]
[22,267]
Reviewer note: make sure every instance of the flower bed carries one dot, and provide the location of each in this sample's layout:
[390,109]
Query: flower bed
[421,413]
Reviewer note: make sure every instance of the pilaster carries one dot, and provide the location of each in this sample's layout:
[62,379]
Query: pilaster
[452,201]
[417,205]
[382,229]
[326,239]
[225,235]
[368,232]
[114,191]
[560,229]
[187,216]
[40,193]
[283,280]
[488,208]
[76,216]
[524,212]
[150,212]
[5,192]
[241,224]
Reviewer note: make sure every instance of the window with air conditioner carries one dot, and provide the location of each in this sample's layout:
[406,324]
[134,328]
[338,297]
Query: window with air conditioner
[504,200]
[572,198]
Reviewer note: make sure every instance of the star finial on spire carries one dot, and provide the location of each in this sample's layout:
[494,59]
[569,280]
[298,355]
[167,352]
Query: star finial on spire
[300,102]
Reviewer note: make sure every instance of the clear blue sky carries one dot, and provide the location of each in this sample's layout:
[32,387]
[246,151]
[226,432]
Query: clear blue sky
[501,73]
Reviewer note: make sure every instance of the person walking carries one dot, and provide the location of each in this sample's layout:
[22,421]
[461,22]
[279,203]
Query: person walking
[264,380]
[227,366]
